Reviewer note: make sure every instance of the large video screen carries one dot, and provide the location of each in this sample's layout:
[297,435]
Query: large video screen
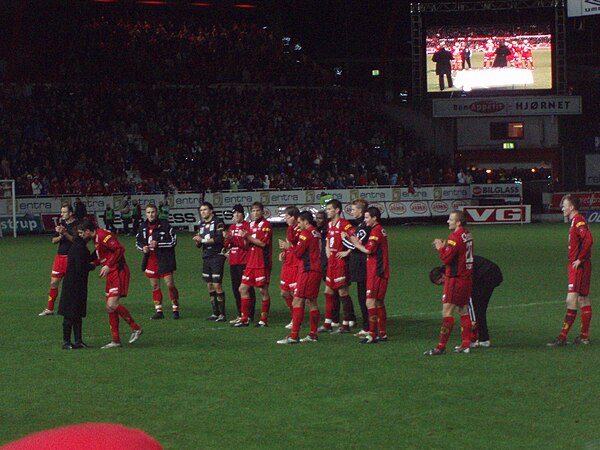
[492,58]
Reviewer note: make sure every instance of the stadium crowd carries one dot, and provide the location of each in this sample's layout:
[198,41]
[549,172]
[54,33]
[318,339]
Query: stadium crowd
[108,138]
[184,50]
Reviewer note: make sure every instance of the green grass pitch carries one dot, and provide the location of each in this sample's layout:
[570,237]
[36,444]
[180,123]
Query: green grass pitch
[542,75]
[196,384]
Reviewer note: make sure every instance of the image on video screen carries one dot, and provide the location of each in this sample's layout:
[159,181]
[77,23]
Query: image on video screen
[488,58]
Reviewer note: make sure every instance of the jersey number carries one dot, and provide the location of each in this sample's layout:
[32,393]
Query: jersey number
[469,252]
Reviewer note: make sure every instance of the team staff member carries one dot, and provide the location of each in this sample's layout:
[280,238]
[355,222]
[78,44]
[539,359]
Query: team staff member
[337,278]
[289,268]
[156,239]
[457,255]
[210,239]
[308,253]
[580,274]
[238,258]
[487,276]
[66,230]
[73,298]
[258,270]
[111,257]
[358,261]
[378,274]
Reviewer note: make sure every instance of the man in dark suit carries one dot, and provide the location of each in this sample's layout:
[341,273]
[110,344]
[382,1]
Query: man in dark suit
[443,66]
[73,299]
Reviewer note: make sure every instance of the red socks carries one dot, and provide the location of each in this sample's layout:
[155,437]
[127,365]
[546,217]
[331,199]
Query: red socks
[315,315]
[445,332]
[382,315]
[52,294]
[174,296]
[113,320]
[264,310]
[568,323]
[245,307]
[297,317]
[586,318]
[288,302]
[373,321]
[124,313]
[157,300]
[465,322]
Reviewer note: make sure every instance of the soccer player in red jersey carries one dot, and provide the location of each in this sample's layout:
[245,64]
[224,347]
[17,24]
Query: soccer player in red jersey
[308,252]
[527,54]
[237,247]
[111,257]
[580,274]
[338,277]
[289,269]
[157,240]
[489,53]
[378,274]
[258,270]
[457,255]
[65,231]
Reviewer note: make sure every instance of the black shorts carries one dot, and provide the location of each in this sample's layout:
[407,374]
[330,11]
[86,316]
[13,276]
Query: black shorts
[213,268]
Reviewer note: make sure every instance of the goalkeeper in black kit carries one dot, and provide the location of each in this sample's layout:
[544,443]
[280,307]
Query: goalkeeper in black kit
[210,239]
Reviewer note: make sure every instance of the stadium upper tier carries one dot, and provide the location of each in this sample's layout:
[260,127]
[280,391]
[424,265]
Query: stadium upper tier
[142,48]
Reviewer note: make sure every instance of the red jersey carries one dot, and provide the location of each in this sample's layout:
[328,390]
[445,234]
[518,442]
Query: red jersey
[378,261]
[238,251]
[293,234]
[580,239]
[457,254]
[260,257]
[308,250]
[490,49]
[334,235]
[109,250]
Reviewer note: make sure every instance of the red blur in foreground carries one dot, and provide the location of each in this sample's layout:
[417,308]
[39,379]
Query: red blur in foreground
[89,436]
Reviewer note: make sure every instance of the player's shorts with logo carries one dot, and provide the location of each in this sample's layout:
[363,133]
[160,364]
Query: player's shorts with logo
[289,275]
[580,278]
[309,284]
[212,269]
[457,291]
[152,270]
[60,266]
[338,275]
[117,282]
[376,287]
[256,277]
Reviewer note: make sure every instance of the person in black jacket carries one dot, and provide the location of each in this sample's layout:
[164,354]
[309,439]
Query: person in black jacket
[487,276]
[157,240]
[442,59]
[210,239]
[73,298]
